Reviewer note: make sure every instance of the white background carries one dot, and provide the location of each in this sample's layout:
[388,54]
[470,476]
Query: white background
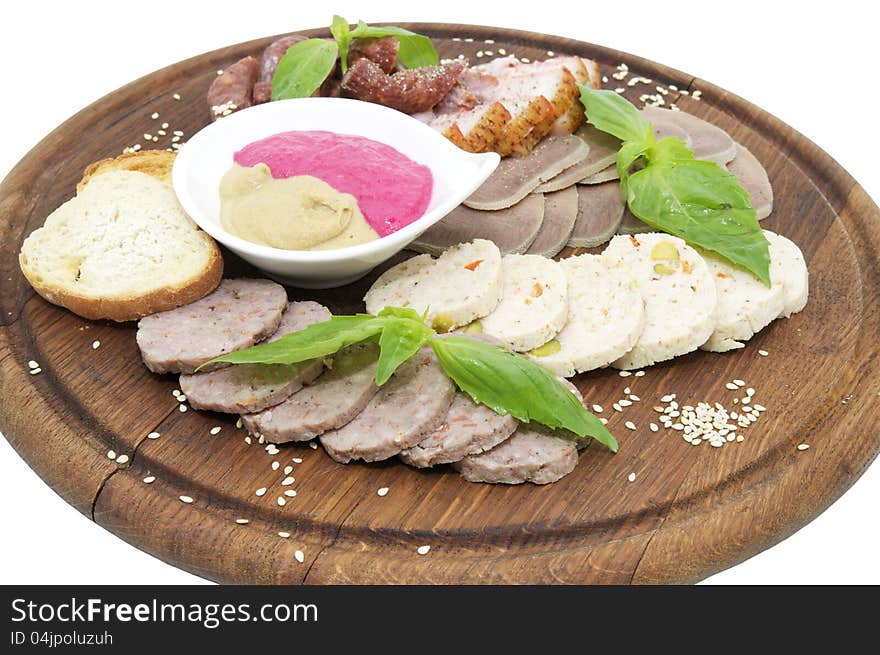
[813,65]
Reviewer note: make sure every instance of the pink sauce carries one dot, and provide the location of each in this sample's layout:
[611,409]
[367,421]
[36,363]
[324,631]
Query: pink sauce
[391,189]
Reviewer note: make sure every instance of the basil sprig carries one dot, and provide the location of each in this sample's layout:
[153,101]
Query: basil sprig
[506,382]
[306,64]
[671,190]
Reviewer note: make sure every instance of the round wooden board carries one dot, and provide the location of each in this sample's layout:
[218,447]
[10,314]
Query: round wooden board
[690,512]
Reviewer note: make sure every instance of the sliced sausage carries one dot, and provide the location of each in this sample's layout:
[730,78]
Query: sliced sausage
[252,387]
[238,314]
[233,89]
[513,229]
[410,91]
[382,52]
[410,405]
[269,64]
[334,399]
[532,454]
[468,429]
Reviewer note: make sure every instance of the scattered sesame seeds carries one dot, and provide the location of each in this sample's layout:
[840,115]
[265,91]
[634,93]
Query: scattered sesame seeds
[803,446]
[288,469]
[489,41]
[479,53]
[627,390]
[423,550]
[248,440]
[639,374]
[242,521]
[631,477]
[148,136]
[312,445]
[634,398]
[623,402]
[696,95]
[653,427]
[284,535]
[111,454]
[153,435]
[383,491]
[150,479]
[617,407]
[35,371]
[741,384]
[176,96]
[668,398]
[261,491]
[625,374]
[289,480]
[300,557]
[763,353]
[122,459]
[290,493]
[598,409]
[297,460]
[186,499]
[630,425]
[216,429]
[32,365]
[489,53]
[603,420]
[502,51]
[219,71]
[550,53]
[281,501]
[276,465]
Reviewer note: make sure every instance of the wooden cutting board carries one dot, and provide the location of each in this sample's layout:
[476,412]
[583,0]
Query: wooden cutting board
[690,512]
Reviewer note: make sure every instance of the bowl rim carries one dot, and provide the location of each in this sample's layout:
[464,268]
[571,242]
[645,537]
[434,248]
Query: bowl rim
[486,165]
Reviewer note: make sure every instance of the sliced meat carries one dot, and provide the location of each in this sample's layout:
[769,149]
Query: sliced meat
[476,130]
[534,303]
[246,388]
[600,210]
[334,399]
[382,51]
[516,177]
[632,225]
[513,229]
[707,141]
[269,64]
[412,404]
[410,91]
[746,168]
[605,175]
[234,88]
[238,314]
[532,454]
[603,153]
[468,429]
[560,214]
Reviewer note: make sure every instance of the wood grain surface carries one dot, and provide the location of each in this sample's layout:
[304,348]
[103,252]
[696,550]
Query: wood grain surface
[690,512]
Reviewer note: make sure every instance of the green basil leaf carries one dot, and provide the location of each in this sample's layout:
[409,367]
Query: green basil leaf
[510,383]
[416,50]
[704,205]
[317,340]
[614,114]
[402,312]
[340,30]
[303,68]
[401,339]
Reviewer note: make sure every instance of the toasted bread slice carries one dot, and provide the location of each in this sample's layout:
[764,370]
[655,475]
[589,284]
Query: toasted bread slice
[121,249]
[156,163]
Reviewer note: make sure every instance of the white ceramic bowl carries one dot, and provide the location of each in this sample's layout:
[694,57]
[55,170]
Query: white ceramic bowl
[208,155]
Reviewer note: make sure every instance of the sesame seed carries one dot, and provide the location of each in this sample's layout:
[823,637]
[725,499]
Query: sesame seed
[634,398]
[312,445]
[423,550]
[639,374]
[630,425]
[479,53]
[603,420]
[631,477]
[488,53]
[525,60]
[750,391]
[182,408]
[35,371]
[739,383]
[731,386]
[300,557]
[383,491]
[668,398]
[164,126]
[287,481]
[623,402]
[238,423]
[290,493]
[186,499]
[763,353]
[111,454]
[502,51]
[248,440]
[740,438]
[598,409]
[153,435]
[604,79]
[288,469]
[242,521]
[176,96]
[32,365]
[653,427]
[281,501]
[626,390]
[160,133]
[550,53]
[625,374]
[122,459]
[758,408]
[297,460]
[284,535]
[803,446]
[150,479]
[261,491]
[148,136]
[617,407]
[276,466]
[219,71]
[216,429]
[696,95]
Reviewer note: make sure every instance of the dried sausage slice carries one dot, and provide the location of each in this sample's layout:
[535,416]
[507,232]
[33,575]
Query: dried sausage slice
[381,51]
[410,91]
[410,405]
[233,88]
[334,399]
[252,387]
[238,314]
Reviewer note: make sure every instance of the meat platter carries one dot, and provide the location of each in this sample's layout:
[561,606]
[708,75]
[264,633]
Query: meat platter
[192,488]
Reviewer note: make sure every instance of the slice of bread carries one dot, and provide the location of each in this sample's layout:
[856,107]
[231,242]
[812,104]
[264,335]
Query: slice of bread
[122,248]
[157,163]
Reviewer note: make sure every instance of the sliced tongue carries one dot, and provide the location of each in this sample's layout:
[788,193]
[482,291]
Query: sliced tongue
[516,177]
[751,174]
[513,229]
[600,210]
[632,225]
[603,153]
[707,141]
[560,214]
